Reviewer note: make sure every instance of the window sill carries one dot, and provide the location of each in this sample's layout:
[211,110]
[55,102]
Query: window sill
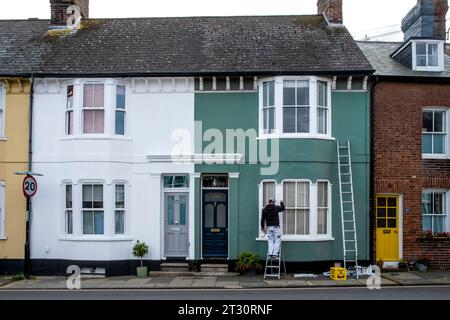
[96,137]
[3,139]
[95,239]
[302,239]
[435,156]
[3,238]
[296,136]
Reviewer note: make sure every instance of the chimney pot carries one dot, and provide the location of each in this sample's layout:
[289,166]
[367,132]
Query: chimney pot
[332,9]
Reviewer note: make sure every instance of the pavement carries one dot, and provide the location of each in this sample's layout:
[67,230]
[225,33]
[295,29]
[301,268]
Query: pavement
[389,279]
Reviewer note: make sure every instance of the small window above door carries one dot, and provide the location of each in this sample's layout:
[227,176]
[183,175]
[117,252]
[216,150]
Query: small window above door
[175,182]
[213,182]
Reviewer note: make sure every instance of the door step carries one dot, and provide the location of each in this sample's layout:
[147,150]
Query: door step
[175,267]
[214,268]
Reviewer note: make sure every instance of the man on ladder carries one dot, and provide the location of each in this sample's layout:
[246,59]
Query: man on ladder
[270,225]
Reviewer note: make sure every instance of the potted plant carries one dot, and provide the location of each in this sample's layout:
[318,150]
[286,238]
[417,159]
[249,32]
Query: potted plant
[140,250]
[422,264]
[249,264]
[403,265]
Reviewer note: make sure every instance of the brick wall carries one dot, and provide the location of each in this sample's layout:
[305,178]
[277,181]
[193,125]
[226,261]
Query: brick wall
[398,164]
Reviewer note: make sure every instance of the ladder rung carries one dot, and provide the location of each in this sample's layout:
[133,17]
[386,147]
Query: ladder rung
[348,221]
[350,241]
[346,183]
[346,192]
[347,202]
[346,174]
[349,230]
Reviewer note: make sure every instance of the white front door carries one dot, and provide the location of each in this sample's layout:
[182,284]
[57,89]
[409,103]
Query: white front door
[176,225]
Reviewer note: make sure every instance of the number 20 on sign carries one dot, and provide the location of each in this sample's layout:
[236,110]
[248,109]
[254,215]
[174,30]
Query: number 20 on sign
[29,186]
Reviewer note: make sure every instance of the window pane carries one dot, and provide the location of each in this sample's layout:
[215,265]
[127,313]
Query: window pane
[99,121]
[88,222]
[170,210]
[221,216]
[302,222]
[98,222]
[120,97]
[433,55]
[381,223]
[421,60]
[381,202]
[427,146]
[268,192]
[289,93]
[289,222]
[322,216]
[438,144]
[87,197]
[209,216]
[322,194]
[271,93]
[426,223]
[426,203]
[181,182]
[322,120]
[120,123]
[392,202]
[69,122]
[69,222]
[439,224]
[438,203]
[439,121]
[303,195]
[427,121]
[99,95]
[303,120]
[322,98]
[98,196]
[271,120]
[120,222]
[303,93]
[120,196]
[289,120]
[69,97]
[183,210]
[215,182]
[289,194]
[68,196]
[421,48]
[88,96]
[88,121]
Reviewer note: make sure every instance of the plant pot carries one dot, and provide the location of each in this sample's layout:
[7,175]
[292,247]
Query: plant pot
[422,267]
[142,272]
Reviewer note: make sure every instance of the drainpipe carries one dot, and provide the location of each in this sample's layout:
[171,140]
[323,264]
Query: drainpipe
[27,262]
[372,170]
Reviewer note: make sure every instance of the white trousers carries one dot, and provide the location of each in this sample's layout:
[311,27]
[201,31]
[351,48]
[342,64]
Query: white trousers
[274,237]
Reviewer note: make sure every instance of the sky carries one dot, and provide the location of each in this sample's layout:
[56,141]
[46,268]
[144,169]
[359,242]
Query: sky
[374,18]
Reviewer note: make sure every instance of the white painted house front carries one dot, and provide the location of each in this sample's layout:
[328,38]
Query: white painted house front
[102,146]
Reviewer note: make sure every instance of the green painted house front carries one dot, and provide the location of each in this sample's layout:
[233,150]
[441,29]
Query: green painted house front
[304,165]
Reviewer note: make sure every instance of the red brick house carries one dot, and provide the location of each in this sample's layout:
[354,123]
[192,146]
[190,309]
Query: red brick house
[410,140]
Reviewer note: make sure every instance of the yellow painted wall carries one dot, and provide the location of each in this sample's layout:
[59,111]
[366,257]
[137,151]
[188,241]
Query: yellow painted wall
[13,158]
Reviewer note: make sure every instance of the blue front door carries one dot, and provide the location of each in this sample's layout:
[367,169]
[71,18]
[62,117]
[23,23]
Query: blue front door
[215,224]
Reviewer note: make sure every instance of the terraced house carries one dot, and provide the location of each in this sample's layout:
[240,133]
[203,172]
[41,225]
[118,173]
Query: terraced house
[176,131]
[411,93]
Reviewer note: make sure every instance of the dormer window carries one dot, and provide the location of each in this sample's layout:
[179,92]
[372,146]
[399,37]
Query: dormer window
[428,55]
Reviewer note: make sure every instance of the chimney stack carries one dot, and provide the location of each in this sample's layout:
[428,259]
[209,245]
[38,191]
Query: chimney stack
[426,20]
[332,9]
[59,14]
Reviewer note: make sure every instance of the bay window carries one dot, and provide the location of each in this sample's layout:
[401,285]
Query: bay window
[94,109]
[295,107]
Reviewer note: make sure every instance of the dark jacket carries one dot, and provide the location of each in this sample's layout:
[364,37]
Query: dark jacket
[270,216]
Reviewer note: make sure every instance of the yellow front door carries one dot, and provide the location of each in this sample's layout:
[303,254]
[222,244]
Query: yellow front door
[387,228]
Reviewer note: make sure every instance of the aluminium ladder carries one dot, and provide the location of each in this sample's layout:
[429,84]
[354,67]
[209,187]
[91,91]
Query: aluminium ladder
[274,265]
[349,236]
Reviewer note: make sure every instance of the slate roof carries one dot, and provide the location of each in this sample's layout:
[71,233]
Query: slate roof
[379,53]
[182,46]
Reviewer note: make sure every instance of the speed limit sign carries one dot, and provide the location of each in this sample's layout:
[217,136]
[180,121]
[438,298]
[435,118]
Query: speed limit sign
[29,186]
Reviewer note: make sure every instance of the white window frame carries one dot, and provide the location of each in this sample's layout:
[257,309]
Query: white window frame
[104,209]
[310,207]
[123,210]
[2,210]
[66,209]
[268,107]
[124,111]
[440,66]
[2,110]
[69,110]
[279,108]
[445,155]
[313,225]
[446,204]
[104,108]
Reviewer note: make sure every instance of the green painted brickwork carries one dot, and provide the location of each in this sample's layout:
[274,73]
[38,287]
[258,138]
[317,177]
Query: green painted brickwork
[299,159]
